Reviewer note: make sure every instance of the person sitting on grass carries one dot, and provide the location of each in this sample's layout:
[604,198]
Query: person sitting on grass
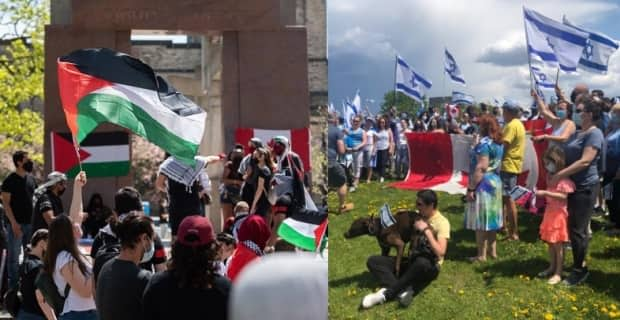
[554,226]
[425,258]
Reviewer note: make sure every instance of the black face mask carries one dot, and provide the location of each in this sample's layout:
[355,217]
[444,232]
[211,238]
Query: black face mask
[28,166]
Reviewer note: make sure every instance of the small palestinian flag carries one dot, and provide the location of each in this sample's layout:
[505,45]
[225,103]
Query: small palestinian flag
[104,154]
[102,85]
[305,229]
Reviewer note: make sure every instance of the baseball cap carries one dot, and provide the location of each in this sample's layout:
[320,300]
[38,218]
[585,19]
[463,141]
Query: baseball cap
[195,231]
[511,105]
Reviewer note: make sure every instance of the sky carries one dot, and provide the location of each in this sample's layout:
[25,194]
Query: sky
[486,37]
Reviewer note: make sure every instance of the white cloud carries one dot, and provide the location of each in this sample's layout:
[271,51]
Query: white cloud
[485,36]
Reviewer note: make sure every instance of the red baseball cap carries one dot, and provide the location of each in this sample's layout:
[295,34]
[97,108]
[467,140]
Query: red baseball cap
[195,231]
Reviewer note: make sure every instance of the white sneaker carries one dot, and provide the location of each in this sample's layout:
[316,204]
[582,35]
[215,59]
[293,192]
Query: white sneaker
[381,180]
[373,299]
[352,189]
[406,297]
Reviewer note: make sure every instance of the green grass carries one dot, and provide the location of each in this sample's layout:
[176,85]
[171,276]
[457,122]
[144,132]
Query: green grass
[506,288]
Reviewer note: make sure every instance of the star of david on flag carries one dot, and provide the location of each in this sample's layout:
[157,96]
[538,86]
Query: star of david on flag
[410,82]
[452,69]
[598,49]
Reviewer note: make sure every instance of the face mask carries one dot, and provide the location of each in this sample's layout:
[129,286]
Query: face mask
[28,166]
[278,149]
[550,167]
[148,254]
[561,114]
[577,118]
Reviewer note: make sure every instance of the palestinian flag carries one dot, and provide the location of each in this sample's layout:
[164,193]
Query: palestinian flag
[101,85]
[104,154]
[305,229]
[299,139]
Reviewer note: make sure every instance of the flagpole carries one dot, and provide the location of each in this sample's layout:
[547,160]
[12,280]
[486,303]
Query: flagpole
[557,76]
[529,58]
[395,69]
[77,152]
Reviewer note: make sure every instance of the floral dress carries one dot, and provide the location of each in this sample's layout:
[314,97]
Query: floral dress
[485,212]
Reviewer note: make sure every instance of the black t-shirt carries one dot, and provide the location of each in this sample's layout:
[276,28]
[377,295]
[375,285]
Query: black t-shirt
[164,299]
[120,287]
[47,201]
[182,201]
[21,190]
[105,238]
[28,271]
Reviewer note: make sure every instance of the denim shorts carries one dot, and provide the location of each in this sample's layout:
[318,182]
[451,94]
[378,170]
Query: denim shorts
[509,181]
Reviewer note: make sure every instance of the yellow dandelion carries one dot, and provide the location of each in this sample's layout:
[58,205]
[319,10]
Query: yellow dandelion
[548,316]
[572,298]
[614,315]
[612,307]
[604,310]
[461,292]
[573,308]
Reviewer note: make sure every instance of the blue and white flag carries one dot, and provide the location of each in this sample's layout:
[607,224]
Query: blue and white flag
[554,43]
[462,98]
[452,69]
[330,108]
[599,47]
[541,79]
[409,82]
[357,102]
[349,113]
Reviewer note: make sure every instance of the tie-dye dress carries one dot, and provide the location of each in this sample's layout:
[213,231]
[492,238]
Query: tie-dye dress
[485,212]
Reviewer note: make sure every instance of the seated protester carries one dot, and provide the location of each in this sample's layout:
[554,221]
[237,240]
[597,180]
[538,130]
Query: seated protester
[28,272]
[47,200]
[253,236]
[126,199]
[282,286]
[426,256]
[191,287]
[227,247]
[71,270]
[121,281]
[242,210]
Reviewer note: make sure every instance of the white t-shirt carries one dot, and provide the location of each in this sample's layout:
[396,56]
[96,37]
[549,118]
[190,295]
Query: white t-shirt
[74,301]
[383,139]
[370,136]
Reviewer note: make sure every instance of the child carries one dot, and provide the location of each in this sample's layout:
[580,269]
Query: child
[553,228]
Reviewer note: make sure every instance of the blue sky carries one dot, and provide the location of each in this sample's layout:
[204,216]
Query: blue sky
[486,37]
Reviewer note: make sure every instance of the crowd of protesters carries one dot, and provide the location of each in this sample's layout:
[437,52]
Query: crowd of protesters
[582,165]
[129,273]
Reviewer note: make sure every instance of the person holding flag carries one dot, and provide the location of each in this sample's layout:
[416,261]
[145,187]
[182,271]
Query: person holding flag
[560,120]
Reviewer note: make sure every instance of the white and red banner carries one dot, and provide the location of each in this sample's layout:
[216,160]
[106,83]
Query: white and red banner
[440,161]
[299,139]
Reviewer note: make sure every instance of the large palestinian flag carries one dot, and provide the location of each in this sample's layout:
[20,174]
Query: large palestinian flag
[440,161]
[299,139]
[101,85]
[103,154]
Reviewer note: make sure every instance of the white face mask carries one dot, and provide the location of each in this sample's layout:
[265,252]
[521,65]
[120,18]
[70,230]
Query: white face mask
[550,167]
[148,254]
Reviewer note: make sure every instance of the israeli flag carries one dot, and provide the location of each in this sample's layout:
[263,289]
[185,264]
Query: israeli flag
[541,78]
[330,108]
[554,43]
[599,47]
[357,102]
[386,216]
[462,98]
[409,82]
[452,69]
[349,112]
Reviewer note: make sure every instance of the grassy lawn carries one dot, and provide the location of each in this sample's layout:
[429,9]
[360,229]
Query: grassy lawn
[506,288]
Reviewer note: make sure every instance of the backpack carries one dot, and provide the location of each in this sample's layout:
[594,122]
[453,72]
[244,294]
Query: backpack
[45,283]
[108,251]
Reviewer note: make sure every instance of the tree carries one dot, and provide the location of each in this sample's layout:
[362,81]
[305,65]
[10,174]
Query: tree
[402,102]
[21,76]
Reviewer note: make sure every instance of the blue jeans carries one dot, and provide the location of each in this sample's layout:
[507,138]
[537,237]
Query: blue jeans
[14,250]
[23,315]
[79,315]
